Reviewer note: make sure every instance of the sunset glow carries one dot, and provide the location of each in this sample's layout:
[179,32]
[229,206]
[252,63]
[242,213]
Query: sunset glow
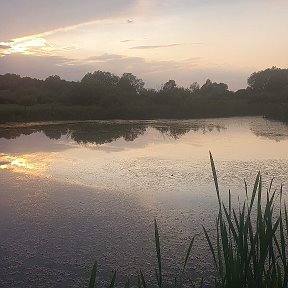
[119,115]
[24,163]
[33,46]
[188,40]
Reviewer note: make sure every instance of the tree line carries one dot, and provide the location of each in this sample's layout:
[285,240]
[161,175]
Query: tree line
[112,96]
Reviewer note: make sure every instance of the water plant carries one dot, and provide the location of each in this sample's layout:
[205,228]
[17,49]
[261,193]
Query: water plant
[251,243]
[141,282]
[250,248]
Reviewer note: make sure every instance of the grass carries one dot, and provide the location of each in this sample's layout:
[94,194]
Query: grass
[251,242]
[199,108]
[250,249]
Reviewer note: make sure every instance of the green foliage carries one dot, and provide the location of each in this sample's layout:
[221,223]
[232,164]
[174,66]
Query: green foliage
[213,89]
[271,80]
[129,83]
[158,251]
[170,85]
[126,97]
[113,280]
[93,276]
[141,282]
[250,247]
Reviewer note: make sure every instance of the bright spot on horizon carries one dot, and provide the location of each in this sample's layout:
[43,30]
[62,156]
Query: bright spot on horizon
[26,47]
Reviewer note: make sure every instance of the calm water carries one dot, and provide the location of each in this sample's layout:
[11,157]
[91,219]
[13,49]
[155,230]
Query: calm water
[74,192]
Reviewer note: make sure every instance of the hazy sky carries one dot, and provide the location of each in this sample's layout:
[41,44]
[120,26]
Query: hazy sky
[157,40]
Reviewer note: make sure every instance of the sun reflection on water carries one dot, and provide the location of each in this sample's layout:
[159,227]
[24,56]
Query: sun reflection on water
[23,163]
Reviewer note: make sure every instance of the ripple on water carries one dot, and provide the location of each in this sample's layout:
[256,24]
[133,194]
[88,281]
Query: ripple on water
[87,200]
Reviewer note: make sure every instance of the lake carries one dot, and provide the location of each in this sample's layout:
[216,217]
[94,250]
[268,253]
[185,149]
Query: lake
[73,192]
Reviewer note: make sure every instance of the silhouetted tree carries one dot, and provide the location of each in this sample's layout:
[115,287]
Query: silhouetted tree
[101,78]
[195,87]
[213,89]
[272,80]
[54,83]
[107,96]
[130,83]
[169,85]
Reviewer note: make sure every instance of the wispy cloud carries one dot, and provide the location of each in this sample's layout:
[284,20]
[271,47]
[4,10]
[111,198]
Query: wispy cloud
[104,57]
[126,40]
[119,11]
[52,14]
[4,46]
[33,64]
[152,72]
[38,44]
[143,47]
[138,65]
[70,28]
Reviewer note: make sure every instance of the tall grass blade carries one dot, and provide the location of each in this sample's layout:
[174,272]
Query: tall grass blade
[139,282]
[246,189]
[286,218]
[211,247]
[93,275]
[190,281]
[215,178]
[188,253]
[127,284]
[113,279]
[201,283]
[158,251]
[231,226]
[271,184]
[254,190]
[143,280]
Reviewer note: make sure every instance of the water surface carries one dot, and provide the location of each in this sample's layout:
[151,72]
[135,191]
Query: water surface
[75,191]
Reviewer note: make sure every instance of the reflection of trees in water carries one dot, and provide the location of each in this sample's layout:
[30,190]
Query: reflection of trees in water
[273,130]
[13,133]
[107,132]
[82,133]
[176,130]
[173,132]
[55,133]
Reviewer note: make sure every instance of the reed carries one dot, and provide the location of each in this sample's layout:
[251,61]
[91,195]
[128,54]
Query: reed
[250,248]
[140,282]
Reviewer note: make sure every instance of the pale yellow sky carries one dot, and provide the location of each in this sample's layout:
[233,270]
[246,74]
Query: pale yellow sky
[156,40]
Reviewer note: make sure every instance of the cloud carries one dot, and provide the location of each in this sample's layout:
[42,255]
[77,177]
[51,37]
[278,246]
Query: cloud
[126,40]
[33,46]
[35,66]
[38,43]
[4,46]
[43,66]
[144,47]
[32,17]
[69,28]
[120,64]
[104,58]
[154,73]
[155,46]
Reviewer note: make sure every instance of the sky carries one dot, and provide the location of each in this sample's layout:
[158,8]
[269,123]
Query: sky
[156,40]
